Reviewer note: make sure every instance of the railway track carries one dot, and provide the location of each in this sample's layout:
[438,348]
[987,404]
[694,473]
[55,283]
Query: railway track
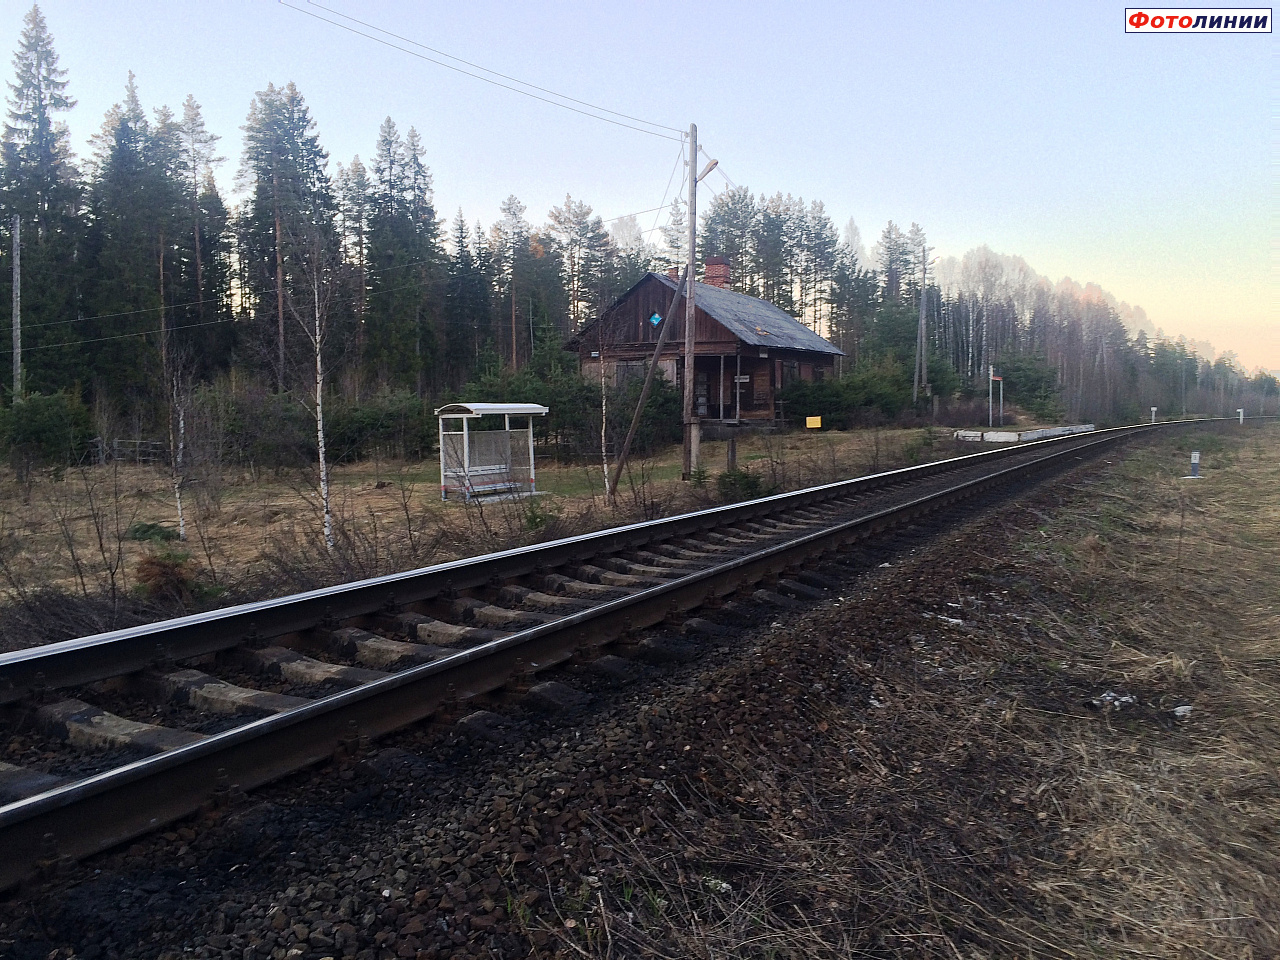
[249,694]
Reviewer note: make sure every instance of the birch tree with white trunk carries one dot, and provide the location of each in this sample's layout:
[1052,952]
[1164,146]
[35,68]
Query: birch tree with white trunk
[313,318]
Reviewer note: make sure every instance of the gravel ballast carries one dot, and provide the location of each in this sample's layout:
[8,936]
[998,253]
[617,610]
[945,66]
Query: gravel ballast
[785,785]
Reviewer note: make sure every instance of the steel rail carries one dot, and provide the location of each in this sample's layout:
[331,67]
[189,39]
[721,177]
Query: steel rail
[99,812]
[101,656]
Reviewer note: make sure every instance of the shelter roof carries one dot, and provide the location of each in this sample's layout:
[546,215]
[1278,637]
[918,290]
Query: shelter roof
[483,409]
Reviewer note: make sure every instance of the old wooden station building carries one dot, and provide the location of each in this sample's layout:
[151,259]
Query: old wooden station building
[745,349]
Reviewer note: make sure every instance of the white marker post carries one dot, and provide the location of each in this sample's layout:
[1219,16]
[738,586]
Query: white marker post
[1195,464]
[1240,410]
[991,381]
[1153,414]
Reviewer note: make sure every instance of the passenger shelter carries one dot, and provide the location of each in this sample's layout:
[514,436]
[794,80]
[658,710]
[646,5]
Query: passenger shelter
[745,349]
[492,460]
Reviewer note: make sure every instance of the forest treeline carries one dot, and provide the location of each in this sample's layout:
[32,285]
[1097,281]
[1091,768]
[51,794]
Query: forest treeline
[145,289]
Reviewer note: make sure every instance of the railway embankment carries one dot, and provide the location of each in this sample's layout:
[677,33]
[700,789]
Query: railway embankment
[979,744]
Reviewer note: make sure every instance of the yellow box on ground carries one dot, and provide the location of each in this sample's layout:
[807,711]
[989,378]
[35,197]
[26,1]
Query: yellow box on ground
[813,423]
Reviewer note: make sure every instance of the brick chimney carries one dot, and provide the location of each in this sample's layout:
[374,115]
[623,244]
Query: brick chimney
[716,272]
[673,273]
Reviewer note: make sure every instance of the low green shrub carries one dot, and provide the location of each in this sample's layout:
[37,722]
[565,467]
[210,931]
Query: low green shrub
[737,485]
[144,532]
[43,429]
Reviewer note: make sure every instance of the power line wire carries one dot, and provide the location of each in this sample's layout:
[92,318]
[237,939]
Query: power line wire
[183,326]
[118,336]
[523,83]
[667,190]
[476,76]
[636,214]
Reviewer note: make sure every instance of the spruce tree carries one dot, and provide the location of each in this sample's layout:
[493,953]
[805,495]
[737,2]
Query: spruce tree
[290,201]
[468,318]
[675,236]
[38,184]
[137,212]
[854,295]
[418,187]
[38,169]
[817,267]
[403,317]
[635,256]
[206,337]
[893,256]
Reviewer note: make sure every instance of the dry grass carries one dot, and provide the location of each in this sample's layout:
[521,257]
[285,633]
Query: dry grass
[64,536]
[1175,850]
[951,792]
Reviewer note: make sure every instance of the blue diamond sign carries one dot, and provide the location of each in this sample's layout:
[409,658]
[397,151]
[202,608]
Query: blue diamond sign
[656,319]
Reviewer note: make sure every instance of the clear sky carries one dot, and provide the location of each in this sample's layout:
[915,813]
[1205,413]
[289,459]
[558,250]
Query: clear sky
[1144,163]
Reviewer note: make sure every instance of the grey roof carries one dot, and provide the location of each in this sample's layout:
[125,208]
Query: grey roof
[754,321]
[480,409]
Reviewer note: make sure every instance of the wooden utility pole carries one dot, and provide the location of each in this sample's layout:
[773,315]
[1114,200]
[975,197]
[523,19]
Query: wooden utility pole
[691,425]
[17,309]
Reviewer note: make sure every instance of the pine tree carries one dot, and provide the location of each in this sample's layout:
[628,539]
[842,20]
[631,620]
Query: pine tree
[511,255]
[354,193]
[199,154]
[773,242]
[588,260]
[728,229]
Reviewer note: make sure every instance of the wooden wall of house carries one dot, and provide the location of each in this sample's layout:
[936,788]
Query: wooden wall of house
[628,324]
[629,338]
